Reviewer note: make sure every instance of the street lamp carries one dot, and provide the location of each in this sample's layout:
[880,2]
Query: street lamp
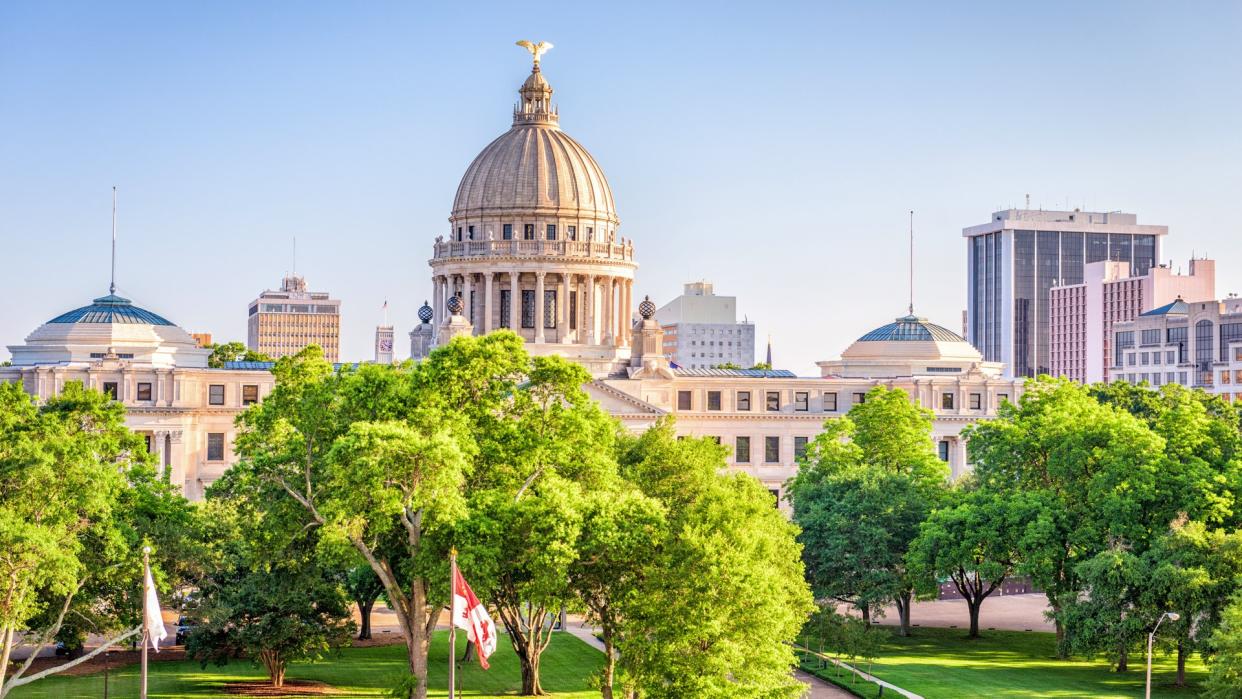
[1151,638]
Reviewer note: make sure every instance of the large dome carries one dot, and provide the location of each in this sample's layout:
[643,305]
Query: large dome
[535,169]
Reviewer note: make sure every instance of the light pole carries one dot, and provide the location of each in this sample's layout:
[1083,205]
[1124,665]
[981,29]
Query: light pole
[1151,638]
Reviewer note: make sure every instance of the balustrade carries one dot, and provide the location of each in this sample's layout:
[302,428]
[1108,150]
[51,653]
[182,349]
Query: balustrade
[546,248]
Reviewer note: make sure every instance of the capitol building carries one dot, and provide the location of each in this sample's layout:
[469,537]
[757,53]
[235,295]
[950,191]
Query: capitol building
[533,245]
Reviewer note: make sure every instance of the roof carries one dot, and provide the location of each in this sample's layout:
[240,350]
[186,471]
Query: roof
[744,373]
[911,328]
[1177,307]
[111,309]
[267,366]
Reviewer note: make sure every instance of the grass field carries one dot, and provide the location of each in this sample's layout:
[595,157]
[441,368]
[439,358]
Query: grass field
[943,663]
[356,672]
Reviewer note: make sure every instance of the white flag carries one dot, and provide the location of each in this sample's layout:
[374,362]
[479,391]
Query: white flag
[153,624]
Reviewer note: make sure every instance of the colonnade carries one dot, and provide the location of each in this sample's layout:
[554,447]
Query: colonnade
[601,313]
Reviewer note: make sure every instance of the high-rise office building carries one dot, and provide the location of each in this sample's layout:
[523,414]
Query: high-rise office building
[701,329]
[286,321]
[1015,259]
[1082,315]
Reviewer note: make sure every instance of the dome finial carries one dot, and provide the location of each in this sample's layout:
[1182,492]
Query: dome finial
[536,106]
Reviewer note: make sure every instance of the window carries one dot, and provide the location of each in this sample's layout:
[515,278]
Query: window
[976,401]
[215,394]
[528,231]
[1182,378]
[802,401]
[109,389]
[743,401]
[506,231]
[459,234]
[1203,353]
[714,438]
[549,308]
[771,450]
[551,231]
[774,400]
[528,308]
[799,447]
[1151,337]
[506,303]
[144,391]
[470,232]
[1170,357]
[572,232]
[860,398]
[1145,358]
[215,446]
[776,496]
[946,401]
[1002,397]
[742,451]
[683,400]
[250,394]
[573,311]
[1130,358]
[943,446]
[830,402]
[713,400]
[1224,376]
[1155,357]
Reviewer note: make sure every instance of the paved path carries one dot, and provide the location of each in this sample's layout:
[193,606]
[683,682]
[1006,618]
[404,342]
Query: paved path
[820,689]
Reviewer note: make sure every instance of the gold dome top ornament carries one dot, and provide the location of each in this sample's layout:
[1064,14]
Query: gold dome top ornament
[536,50]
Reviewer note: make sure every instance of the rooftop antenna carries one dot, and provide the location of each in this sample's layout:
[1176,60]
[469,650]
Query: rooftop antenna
[911,262]
[112,282]
[385,311]
[1028,201]
[295,256]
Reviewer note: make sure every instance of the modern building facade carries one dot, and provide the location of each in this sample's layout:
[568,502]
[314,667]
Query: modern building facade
[1193,343]
[1081,316]
[183,409]
[701,329]
[1015,259]
[284,322]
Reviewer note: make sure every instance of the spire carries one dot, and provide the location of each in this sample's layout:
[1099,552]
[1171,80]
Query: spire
[112,282]
[912,261]
[536,105]
[769,359]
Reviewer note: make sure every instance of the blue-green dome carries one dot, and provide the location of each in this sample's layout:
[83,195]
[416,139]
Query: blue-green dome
[911,328]
[111,309]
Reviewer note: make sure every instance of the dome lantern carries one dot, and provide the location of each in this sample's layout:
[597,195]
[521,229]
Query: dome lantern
[536,105]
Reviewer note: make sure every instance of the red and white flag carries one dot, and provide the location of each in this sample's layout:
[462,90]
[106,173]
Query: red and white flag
[471,615]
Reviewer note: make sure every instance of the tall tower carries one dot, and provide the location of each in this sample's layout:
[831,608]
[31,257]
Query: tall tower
[532,244]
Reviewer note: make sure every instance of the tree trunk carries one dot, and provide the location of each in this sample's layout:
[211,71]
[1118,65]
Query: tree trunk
[1123,660]
[364,611]
[610,663]
[866,614]
[530,675]
[974,605]
[1181,663]
[417,658]
[903,612]
[275,666]
[465,657]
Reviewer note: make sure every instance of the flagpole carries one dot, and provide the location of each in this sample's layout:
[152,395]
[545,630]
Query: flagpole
[146,567]
[452,654]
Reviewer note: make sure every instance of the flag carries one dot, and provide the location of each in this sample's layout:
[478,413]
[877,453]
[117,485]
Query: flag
[471,615]
[153,624]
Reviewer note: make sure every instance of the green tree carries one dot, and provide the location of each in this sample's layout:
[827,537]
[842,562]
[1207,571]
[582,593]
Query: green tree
[974,543]
[761,366]
[232,352]
[724,598]
[727,365]
[1091,473]
[78,498]
[867,483]
[1225,680]
[274,607]
[620,536]
[373,458]
[364,588]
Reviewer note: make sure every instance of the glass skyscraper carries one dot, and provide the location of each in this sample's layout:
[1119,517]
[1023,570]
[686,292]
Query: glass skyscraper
[1013,261]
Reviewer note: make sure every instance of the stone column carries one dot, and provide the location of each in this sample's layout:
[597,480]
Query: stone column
[625,312]
[610,310]
[539,276]
[588,322]
[437,314]
[515,303]
[467,294]
[562,309]
[487,302]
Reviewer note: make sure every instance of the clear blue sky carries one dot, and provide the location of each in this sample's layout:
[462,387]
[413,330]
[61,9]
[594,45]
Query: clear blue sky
[773,148]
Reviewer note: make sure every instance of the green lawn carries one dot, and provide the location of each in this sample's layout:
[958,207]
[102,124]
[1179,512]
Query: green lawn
[943,663]
[356,672]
